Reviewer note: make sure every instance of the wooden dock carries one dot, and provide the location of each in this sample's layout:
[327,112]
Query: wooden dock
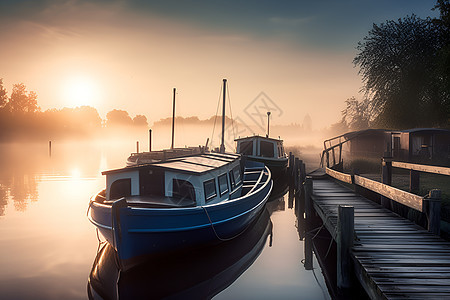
[393,258]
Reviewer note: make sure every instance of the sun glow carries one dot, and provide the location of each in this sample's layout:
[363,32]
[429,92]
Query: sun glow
[79,91]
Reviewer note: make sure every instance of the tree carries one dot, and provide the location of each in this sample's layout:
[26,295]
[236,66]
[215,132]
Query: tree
[3,96]
[118,118]
[397,61]
[357,114]
[21,101]
[140,120]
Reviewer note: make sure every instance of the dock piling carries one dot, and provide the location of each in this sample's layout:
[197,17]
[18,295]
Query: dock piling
[344,241]
[434,211]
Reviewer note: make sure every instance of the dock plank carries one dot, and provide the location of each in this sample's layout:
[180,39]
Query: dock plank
[393,258]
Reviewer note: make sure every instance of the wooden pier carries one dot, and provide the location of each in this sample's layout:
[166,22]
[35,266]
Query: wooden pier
[392,257]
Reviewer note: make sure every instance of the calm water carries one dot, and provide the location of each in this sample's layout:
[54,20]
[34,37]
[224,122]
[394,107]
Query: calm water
[48,246]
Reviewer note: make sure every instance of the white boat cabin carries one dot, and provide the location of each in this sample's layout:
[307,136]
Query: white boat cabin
[260,146]
[186,181]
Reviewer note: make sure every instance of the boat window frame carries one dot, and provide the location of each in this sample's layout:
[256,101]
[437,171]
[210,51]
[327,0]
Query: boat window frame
[224,175]
[232,182]
[264,146]
[215,189]
[237,169]
[187,184]
[248,145]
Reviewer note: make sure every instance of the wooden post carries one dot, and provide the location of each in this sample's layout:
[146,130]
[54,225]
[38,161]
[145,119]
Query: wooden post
[414,181]
[308,252]
[291,164]
[296,173]
[328,159]
[50,148]
[308,197]
[303,172]
[433,211]
[299,177]
[149,140]
[344,241]
[386,175]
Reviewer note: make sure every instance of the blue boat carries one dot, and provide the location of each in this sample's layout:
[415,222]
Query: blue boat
[179,203]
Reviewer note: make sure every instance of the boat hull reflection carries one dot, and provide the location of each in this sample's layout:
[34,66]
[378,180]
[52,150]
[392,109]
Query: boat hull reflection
[196,274]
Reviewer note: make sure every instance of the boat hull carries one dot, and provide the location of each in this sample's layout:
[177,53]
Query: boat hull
[278,167]
[135,232]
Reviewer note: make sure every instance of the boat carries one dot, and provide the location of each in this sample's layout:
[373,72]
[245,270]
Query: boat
[185,274]
[179,203]
[266,150]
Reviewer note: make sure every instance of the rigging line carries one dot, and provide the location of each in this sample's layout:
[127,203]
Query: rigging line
[215,118]
[231,112]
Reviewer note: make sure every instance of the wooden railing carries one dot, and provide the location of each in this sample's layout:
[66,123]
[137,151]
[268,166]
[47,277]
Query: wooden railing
[430,205]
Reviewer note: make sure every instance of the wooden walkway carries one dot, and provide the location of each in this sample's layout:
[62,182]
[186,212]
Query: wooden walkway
[393,258]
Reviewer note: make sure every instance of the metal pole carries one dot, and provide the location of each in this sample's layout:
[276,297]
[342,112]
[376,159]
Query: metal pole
[268,121]
[173,117]
[222,145]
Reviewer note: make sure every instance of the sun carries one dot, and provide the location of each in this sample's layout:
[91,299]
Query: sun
[80,91]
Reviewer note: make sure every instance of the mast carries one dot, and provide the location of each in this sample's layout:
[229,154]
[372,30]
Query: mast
[222,145]
[173,117]
[268,121]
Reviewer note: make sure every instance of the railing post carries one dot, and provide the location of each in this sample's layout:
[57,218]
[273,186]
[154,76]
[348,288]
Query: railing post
[414,181]
[344,241]
[433,211]
[386,175]
[328,159]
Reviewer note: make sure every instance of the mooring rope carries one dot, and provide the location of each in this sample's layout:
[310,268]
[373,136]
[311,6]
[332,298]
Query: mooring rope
[215,232]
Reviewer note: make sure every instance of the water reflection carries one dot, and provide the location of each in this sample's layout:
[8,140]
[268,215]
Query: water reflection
[195,274]
[23,166]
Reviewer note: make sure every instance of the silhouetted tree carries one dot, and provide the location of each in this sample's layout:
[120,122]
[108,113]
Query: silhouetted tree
[358,114]
[397,62]
[21,101]
[140,120]
[3,95]
[118,117]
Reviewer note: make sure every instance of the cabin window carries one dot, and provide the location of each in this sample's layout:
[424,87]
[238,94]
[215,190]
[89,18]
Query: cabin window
[237,175]
[233,185]
[183,189]
[246,148]
[223,184]
[210,189]
[120,188]
[266,149]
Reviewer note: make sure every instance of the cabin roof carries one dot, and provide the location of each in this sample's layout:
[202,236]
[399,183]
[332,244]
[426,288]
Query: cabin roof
[414,130]
[256,137]
[194,164]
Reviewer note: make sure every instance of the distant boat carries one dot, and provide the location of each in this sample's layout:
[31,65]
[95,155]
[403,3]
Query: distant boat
[179,203]
[182,275]
[266,150]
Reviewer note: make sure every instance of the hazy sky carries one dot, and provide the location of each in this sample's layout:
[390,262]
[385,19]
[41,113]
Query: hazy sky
[130,54]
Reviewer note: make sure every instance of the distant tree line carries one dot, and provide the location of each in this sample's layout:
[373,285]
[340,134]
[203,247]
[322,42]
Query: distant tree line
[405,68]
[21,117]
